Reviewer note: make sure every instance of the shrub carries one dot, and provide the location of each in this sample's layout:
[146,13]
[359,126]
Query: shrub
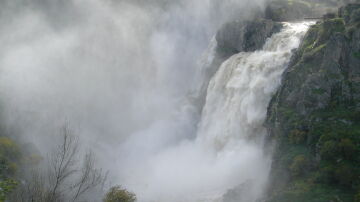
[344,175]
[357,197]
[9,155]
[297,136]
[329,150]
[117,194]
[347,148]
[299,165]
[327,174]
[6,187]
[9,148]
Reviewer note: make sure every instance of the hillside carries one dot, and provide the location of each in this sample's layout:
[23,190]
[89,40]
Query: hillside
[314,118]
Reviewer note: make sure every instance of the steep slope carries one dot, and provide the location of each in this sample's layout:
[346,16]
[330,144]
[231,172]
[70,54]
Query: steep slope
[315,115]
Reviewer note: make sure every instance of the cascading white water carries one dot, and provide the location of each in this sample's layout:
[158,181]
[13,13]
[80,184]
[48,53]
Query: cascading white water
[236,105]
[240,91]
[227,152]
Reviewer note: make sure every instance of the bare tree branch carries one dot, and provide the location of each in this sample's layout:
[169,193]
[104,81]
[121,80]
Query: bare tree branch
[66,179]
[63,163]
[89,178]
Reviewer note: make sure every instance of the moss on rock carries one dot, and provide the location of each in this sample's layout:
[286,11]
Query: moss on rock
[315,116]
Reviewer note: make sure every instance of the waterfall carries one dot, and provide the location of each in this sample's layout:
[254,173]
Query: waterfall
[239,92]
[227,151]
[236,104]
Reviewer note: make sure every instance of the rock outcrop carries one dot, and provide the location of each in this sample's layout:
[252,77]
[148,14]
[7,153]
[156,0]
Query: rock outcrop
[314,117]
[245,36]
[288,10]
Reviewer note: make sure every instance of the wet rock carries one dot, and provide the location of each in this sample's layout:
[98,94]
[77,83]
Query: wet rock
[321,65]
[287,11]
[238,36]
[320,89]
[348,12]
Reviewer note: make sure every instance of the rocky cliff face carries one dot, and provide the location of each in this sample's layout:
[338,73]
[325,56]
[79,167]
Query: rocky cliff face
[280,10]
[245,36]
[315,115]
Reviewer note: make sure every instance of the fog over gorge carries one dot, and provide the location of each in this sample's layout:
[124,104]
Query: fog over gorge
[113,67]
[125,77]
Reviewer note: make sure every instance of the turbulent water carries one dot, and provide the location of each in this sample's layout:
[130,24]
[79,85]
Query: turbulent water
[227,152]
[236,106]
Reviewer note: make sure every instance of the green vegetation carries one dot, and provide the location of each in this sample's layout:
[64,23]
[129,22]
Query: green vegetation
[41,186]
[324,161]
[9,158]
[6,187]
[302,191]
[117,194]
[357,55]
[297,136]
[317,158]
[299,165]
[319,91]
[310,38]
[319,34]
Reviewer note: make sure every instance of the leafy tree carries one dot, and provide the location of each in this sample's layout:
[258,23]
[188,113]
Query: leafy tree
[117,194]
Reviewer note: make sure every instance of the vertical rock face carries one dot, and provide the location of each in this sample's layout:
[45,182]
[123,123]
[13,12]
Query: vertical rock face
[244,36]
[315,115]
[288,10]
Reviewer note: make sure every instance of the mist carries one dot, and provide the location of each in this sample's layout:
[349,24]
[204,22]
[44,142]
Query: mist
[120,74]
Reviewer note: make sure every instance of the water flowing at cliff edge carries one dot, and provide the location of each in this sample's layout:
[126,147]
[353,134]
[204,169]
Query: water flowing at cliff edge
[228,151]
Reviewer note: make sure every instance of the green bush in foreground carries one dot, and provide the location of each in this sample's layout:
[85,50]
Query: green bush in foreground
[6,187]
[117,194]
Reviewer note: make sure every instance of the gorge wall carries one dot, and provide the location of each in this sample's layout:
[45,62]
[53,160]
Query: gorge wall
[314,116]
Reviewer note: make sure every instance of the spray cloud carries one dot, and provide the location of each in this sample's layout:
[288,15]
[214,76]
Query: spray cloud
[119,72]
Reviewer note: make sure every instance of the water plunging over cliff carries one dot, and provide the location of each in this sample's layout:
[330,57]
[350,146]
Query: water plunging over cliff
[236,104]
[239,93]
[227,152]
